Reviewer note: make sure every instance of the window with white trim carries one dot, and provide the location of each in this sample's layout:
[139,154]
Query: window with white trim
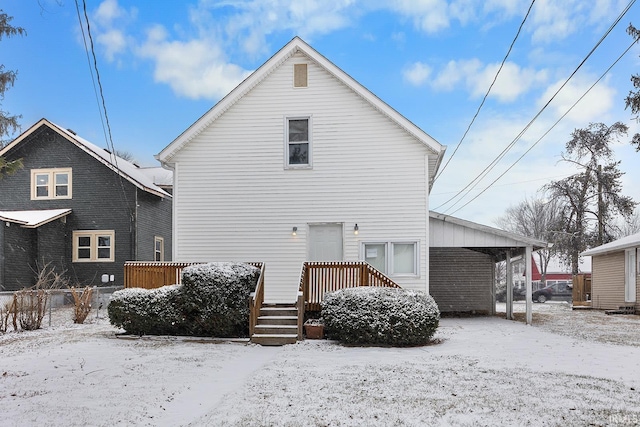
[158,245]
[298,142]
[94,246]
[51,183]
[392,258]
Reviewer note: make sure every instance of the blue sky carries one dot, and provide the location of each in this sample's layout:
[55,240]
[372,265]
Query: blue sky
[164,63]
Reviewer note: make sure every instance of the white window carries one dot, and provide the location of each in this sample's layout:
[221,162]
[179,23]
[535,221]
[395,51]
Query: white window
[51,183]
[392,258]
[94,246]
[298,142]
[158,248]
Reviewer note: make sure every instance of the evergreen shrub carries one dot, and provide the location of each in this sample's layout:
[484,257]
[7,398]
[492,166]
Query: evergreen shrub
[380,316]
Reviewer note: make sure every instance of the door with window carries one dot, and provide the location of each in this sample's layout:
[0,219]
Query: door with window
[630,275]
[325,242]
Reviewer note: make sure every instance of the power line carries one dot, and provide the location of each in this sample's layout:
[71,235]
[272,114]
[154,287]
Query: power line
[500,156]
[549,130]
[109,138]
[486,95]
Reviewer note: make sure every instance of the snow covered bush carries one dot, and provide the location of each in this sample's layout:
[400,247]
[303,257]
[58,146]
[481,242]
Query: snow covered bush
[216,298]
[213,300]
[148,311]
[383,316]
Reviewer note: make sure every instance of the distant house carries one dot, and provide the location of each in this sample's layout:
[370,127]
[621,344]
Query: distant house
[301,163]
[79,209]
[614,273]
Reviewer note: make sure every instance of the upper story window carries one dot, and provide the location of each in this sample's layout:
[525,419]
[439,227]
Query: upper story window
[51,183]
[94,246]
[298,142]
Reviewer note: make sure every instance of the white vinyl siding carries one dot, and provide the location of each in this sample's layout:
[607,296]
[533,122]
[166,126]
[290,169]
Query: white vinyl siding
[234,201]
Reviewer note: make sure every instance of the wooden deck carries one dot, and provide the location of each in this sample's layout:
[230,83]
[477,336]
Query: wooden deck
[318,278]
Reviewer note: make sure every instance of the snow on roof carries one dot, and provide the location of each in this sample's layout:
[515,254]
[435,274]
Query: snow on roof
[617,245]
[126,169]
[33,219]
[159,175]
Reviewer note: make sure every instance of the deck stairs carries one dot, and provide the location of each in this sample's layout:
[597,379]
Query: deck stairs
[623,309]
[277,325]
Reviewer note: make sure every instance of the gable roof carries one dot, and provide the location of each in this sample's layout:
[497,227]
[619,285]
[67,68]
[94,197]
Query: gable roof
[631,241]
[294,46]
[34,218]
[126,169]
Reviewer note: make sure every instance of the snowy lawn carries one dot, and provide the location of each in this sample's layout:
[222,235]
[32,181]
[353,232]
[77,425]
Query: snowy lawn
[570,368]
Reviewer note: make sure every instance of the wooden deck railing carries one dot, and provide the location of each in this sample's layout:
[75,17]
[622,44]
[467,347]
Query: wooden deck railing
[581,290]
[318,278]
[151,275]
[256,299]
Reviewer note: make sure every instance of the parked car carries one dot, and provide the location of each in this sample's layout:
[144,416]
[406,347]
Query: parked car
[559,291]
[518,295]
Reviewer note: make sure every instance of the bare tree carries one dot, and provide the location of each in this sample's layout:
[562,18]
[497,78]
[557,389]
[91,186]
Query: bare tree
[535,218]
[629,226]
[591,199]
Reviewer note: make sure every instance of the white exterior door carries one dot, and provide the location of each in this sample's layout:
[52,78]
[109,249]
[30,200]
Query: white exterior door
[630,275]
[325,242]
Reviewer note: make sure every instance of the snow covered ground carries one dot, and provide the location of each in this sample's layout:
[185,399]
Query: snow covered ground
[570,368]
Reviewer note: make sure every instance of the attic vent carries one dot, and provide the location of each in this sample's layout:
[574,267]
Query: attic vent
[299,75]
[71,131]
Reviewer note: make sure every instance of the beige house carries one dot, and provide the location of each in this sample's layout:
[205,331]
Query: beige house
[614,273]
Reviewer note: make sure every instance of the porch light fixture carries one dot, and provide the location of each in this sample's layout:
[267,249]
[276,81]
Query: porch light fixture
[294,232]
[355,229]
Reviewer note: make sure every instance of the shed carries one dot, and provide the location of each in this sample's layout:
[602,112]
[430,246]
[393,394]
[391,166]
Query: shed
[614,273]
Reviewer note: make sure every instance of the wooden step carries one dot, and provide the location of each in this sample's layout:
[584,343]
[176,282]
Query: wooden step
[276,329]
[277,320]
[278,311]
[274,339]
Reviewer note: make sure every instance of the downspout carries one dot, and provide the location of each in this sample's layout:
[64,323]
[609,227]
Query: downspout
[428,219]
[134,227]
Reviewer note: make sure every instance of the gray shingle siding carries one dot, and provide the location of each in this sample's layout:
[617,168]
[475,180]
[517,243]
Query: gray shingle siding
[101,200]
[154,219]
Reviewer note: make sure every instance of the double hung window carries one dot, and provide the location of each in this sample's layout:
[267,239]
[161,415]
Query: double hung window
[298,142]
[94,246]
[51,183]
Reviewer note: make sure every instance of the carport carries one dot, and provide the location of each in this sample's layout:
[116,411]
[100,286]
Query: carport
[462,258]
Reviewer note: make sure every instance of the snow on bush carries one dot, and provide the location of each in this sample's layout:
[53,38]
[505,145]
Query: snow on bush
[212,301]
[385,316]
[147,311]
[216,298]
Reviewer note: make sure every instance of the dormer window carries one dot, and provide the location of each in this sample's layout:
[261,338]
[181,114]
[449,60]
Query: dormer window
[49,184]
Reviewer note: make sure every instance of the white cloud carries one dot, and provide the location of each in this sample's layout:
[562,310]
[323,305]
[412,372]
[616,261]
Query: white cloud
[476,77]
[109,20]
[595,106]
[429,16]
[417,73]
[195,68]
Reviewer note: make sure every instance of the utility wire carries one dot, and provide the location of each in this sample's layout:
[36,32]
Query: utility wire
[486,95]
[101,102]
[500,156]
[549,130]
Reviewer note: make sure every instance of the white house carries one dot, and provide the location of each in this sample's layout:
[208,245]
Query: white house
[302,163]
